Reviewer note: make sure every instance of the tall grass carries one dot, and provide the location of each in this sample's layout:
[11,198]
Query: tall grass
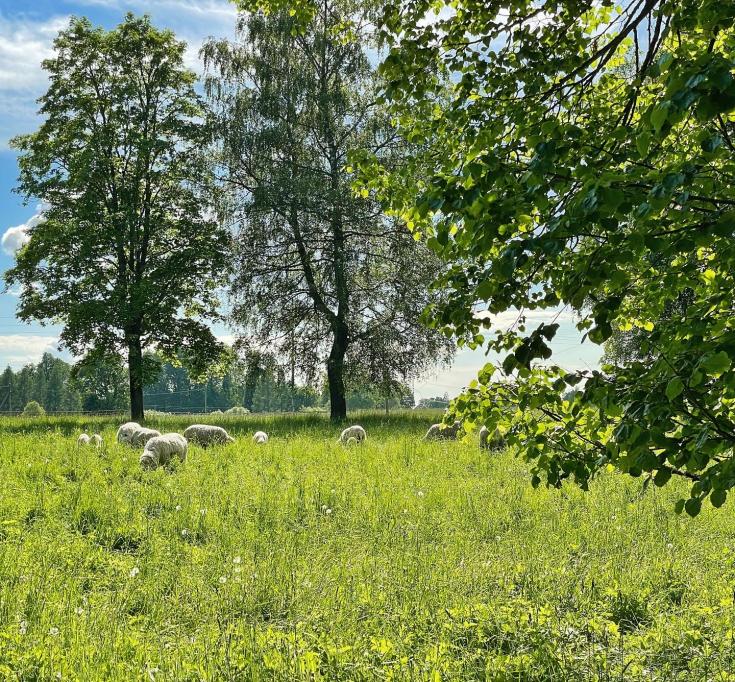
[306,560]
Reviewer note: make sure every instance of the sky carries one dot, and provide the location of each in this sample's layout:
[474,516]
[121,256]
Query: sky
[27,29]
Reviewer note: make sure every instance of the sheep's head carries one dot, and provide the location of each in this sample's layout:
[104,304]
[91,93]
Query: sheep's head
[148,460]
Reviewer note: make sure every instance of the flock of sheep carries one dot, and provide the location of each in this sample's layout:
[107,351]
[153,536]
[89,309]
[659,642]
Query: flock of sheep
[159,449]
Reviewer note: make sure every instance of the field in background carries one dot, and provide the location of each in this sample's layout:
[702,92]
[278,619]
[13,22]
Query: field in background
[302,559]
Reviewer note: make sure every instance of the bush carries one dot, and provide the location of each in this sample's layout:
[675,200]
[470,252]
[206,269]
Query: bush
[237,410]
[311,409]
[33,409]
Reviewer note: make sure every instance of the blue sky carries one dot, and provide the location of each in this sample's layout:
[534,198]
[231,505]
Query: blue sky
[27,29]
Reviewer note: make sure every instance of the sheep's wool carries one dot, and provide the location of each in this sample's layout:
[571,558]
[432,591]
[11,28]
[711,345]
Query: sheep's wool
[160,450]
[205,434]
[126,430]
[96,440]
[83,439]
[142,435]
[260,437]
[356,432]
[436,432]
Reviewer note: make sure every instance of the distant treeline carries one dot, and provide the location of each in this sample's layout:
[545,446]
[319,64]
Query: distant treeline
[259,386]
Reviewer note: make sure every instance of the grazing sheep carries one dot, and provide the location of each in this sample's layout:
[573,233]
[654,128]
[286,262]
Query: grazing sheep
[83,439]
[96,440]
[160,450]
[142,435]
[441,432]
[356,432]
[127,430]
[351,441]
[489,441]
[260,437]
[204,435]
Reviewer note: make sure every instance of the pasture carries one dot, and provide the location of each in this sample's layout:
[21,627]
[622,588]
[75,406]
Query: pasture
[305,560]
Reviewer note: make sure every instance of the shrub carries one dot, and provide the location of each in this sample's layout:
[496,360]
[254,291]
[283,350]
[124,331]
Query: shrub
[33,409]
[238,409]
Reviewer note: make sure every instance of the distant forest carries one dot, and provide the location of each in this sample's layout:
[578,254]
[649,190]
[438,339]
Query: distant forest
[258,384]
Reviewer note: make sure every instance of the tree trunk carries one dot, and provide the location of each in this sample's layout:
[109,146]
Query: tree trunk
[135,370]
[336,376]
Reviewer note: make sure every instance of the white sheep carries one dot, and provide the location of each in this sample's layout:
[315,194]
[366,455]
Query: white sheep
[142,435]
[96,440]
[205,434]
[356,432]
[488,440]
[442,432]
[126,430]
[260,437]
[83,439]
[351,441]
[160,450]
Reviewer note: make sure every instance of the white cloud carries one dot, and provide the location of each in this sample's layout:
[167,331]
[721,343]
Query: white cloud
[509,318]
[15,237]
[17,350]
[24,45]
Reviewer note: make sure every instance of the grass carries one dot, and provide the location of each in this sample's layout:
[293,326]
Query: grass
[305,560]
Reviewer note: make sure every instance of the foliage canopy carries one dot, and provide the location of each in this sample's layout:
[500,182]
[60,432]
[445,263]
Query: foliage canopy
[576,154]
[127,255]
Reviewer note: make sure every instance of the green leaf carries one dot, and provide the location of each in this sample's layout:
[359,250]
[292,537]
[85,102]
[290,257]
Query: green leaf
[693,506]
[643,144]
[662,477]
[674,388]
[717,364]
[718,497]
[659,115]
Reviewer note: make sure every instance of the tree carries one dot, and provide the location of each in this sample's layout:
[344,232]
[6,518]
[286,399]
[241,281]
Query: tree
[575,155]
[33,409]
[127,255]
[322,274]
[101,381]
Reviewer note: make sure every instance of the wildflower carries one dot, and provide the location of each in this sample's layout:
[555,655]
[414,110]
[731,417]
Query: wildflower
[23,627]
[134,571]
[420,493]
[79,610]
[329,511]
[184,532]
[669,545]
[324,507]
[222,580]
[178,507]
[202,511]
[237,569]
[53,631]
[236,560]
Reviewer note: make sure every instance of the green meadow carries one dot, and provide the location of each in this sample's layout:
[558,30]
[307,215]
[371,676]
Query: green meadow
[306,560]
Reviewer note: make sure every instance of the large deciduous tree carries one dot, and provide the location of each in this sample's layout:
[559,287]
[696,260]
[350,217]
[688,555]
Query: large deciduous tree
[576,154]
[321,274]
[127,255]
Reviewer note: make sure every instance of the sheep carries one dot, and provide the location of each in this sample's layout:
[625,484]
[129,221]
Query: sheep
[489,441]
[260,437]
[160,450]
[83,439]
[96,440]
[142,435]
[442,432]
[351,441]
[356,432]
[126,430]
[205,434]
